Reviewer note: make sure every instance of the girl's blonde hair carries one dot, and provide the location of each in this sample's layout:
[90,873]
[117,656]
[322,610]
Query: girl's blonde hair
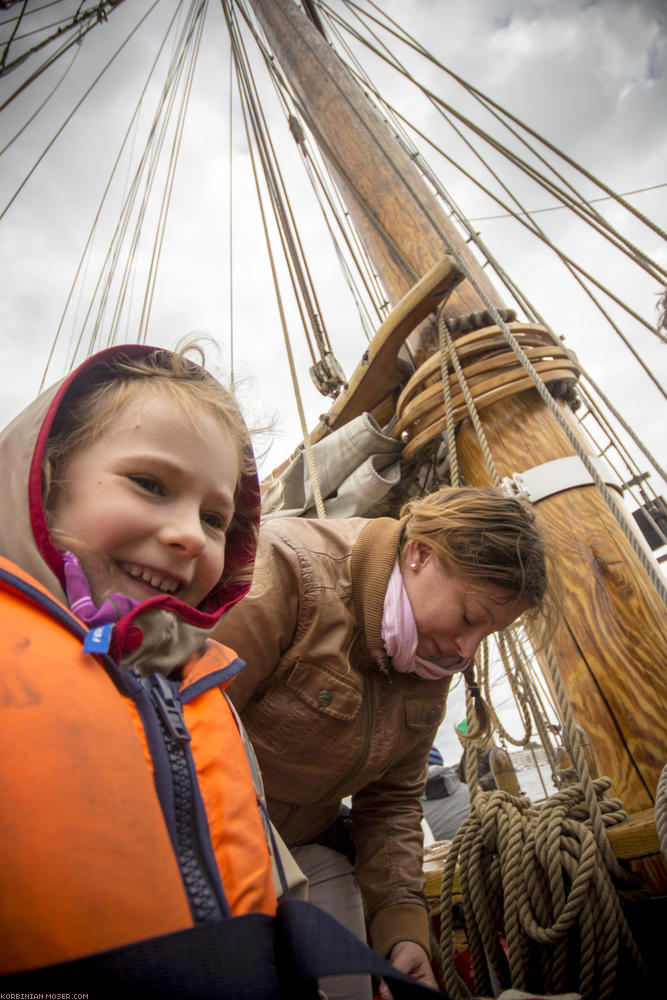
[99,396]
[481,534]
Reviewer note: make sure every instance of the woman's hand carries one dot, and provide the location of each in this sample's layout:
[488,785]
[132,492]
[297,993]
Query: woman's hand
[410,958]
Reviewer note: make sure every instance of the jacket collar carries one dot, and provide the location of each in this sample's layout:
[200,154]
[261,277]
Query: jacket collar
[371,565]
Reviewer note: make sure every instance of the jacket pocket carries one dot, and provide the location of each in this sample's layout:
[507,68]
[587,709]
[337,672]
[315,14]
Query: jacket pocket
[324,691]
[424,713]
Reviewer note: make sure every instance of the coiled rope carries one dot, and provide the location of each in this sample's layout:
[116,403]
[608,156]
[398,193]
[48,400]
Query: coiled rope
[536,874]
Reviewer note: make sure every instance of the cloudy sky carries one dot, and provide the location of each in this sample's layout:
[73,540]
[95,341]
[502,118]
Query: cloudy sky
[591,75]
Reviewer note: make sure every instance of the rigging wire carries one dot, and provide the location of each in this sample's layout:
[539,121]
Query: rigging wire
[103,199]
[567,261]
[159,134]
[403,138]
[96,16]
[317,168]
[326,372]
[409,40]
[5,53]
[164,208]
[273,182]
[636,255]
[319,503]
[558,208]
[76,107]
[41,30]
[35,10]
[632,251]
[46,100]
[230,209]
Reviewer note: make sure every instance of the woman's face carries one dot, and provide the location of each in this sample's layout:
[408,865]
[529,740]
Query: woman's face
[452,613]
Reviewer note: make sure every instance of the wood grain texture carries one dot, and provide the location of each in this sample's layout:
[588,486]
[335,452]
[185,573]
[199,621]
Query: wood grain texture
[611,636]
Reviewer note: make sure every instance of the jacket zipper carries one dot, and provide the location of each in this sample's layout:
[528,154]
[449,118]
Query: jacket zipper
[201,893]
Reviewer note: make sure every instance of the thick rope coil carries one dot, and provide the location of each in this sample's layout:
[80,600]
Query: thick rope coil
[661,811]
[535,875]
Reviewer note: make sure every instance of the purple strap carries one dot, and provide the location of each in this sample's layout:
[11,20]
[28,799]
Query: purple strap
[81,603]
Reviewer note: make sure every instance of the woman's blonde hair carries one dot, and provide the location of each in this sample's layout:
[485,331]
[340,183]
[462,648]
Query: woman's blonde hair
[99,396]
[481,534]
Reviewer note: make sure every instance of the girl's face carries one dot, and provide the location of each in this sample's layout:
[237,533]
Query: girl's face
[146,507]
[452,613]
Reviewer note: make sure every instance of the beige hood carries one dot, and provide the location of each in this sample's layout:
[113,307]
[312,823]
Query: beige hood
[158,635]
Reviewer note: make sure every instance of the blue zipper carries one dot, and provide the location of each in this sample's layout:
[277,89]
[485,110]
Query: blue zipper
[196,863]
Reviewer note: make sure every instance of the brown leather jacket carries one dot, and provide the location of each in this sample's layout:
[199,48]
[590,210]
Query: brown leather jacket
[328,716]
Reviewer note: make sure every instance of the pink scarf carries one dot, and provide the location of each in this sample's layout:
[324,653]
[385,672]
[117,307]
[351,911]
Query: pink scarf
[399,636]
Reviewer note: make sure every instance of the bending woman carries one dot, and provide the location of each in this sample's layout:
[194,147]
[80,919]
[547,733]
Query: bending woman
[350,649]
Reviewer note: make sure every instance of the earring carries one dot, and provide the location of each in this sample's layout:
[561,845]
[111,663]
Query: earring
[413,566]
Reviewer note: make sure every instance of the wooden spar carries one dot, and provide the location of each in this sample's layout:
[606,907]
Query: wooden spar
[611,639]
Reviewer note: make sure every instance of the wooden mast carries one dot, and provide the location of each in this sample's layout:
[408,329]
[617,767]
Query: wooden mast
[611,640]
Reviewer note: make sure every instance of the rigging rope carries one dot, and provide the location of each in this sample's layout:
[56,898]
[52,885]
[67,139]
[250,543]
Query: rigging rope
[317,492]
[306,299]
[536,872]
[636,545]
[661,811]
[105,193]
[637,256]
[149,163]
[200,17]
[537,875]
[44,102]
[402,35]
[558,208]
[594,219]
[76,107]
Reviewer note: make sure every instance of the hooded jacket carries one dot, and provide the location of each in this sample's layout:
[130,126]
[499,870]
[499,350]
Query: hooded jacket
[128,805]
[327,715]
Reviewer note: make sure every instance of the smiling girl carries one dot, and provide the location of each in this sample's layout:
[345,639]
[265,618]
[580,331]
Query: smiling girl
[131,505]
[350,652]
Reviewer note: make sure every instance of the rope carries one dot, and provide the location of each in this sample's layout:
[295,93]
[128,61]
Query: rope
[43,104]
[595,220]
[74,110]
[573,742]
[558,208]
[661,811]
[447,393]
[572,437]
[101,205]
[531,695]
[536,873]
[472,409]
[489,104]
[317,491]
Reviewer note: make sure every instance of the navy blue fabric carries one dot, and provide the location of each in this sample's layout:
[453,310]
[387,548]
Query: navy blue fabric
[211,680]
[254,957]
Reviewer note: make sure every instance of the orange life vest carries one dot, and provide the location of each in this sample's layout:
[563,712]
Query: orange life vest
[127,808]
